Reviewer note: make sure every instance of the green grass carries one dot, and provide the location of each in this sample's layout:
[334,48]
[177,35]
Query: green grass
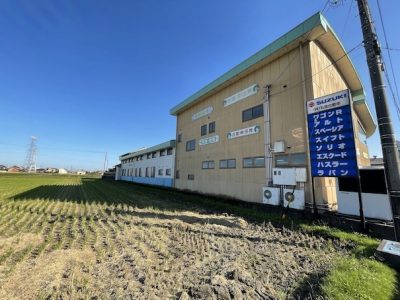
[360,278]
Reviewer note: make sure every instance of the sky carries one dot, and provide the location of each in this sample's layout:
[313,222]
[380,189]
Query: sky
[94,77]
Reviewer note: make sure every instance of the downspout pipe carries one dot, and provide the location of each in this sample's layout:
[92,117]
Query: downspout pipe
[267,136]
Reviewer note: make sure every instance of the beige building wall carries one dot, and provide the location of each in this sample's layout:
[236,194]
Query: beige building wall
[288,123]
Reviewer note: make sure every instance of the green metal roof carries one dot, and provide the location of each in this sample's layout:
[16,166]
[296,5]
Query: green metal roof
[165,145]
[297,32]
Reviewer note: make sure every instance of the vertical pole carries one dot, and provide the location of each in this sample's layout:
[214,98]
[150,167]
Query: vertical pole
[267,137]
[360,203]
[389,149]
[303,80]
[315,208]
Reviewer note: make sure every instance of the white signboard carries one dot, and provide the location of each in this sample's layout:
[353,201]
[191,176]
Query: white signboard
[243,132]
[328,102]
[202,113]
[210,140]
[251,90]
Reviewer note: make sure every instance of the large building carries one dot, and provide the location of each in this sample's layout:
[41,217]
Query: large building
[153,165]
[230,134]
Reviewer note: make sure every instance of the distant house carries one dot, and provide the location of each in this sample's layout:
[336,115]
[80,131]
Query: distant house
[51,170]
[40,170]
[15,169]
[376,161]
[3,168]
[81,172]
[62,171]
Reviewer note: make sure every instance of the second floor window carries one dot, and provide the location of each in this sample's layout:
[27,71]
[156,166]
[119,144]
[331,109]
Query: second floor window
[191,145]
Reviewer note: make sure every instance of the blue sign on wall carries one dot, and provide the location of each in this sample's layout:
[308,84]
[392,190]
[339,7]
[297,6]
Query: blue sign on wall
[331,136]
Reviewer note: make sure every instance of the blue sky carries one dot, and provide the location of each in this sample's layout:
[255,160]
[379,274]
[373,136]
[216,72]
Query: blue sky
[89,77]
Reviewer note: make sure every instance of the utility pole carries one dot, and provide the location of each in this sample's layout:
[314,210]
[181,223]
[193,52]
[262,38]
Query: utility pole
[105,167]
[388,141]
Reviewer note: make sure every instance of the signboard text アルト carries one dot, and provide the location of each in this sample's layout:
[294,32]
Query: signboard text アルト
[331,136]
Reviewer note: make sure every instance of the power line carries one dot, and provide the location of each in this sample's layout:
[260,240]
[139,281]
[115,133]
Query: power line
[323,69]
[294,57]
[391,49]
[395,99]
[57,149]
[347,19]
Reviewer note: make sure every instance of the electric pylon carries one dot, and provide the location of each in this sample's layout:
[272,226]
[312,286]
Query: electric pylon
[31,155]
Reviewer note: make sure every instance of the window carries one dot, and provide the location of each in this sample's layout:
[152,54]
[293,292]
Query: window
[141,157]
[211,127]
[295,159]
[190,176]
[253,113]
[153,172]
[160,172]
[177,176]
[153,155]
[179,138]
[168,172]
[209,164]
[227,164]
[203,129]
[140,172]
[135,172]
[191,145]
[169,151]
[148,155]
[162,152]
[281,160]
[253,162]
[298,159]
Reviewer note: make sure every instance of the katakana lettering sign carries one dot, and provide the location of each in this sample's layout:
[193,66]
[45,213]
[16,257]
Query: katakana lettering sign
[331,136]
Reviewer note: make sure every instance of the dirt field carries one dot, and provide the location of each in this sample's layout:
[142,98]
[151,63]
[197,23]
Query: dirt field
[71,238]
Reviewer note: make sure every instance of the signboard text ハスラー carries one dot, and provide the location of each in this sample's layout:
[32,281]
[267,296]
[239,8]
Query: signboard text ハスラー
[209,140]
[251,90]
[204,112]
[331,136]
[243,132]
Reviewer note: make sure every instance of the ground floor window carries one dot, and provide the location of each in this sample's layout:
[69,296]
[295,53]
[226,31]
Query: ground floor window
[190,177]
[227,163]
[168,172]
[294,159]
[160,172]
[254,162]
[209,164]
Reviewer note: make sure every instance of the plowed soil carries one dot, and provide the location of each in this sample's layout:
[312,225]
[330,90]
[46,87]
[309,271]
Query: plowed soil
[64,237]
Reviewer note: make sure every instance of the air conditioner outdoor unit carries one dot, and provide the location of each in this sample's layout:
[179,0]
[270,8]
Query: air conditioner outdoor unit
[295,200]
[271,195]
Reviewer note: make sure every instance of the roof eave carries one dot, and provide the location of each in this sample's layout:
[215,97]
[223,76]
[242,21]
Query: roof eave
[165,145]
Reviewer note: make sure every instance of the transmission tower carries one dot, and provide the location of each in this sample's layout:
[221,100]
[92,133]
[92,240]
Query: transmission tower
[31,155]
